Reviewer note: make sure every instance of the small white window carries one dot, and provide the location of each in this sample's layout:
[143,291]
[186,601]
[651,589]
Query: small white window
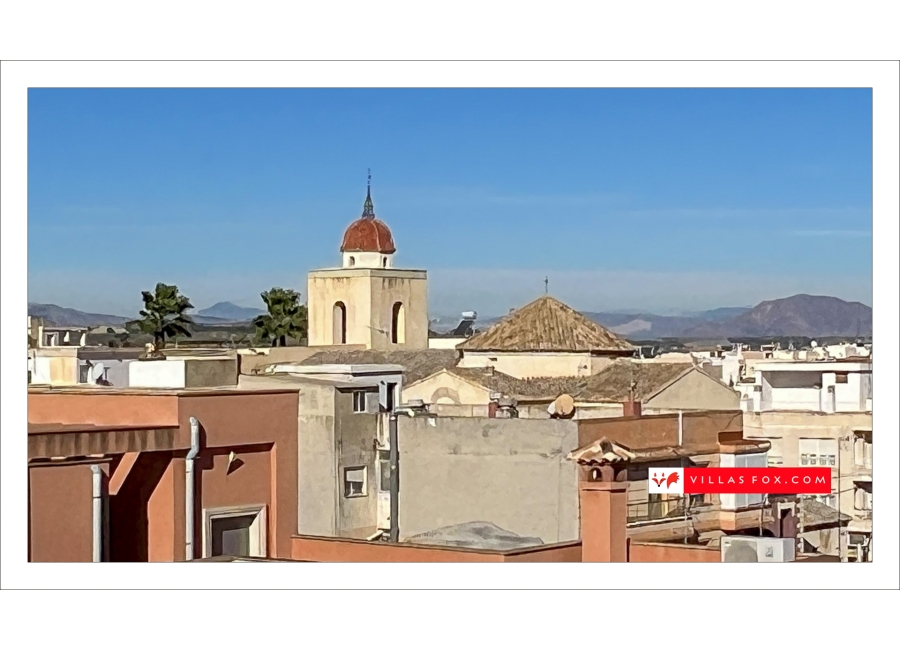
[354,482]
[352,261]
[359,401]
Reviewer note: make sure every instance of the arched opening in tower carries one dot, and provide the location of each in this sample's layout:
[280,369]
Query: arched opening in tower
[398,324]
[339,324]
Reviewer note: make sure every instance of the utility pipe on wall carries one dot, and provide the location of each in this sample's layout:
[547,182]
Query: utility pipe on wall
[189,527]
[680,428]
[97,500]
[393,438]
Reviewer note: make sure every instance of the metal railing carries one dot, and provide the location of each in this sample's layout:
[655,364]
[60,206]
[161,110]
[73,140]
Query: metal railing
[662,510]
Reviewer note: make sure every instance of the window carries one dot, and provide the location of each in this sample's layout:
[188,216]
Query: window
[862,449]
[352,261]
[384,262]
[774,457]
[339,324]
[235,531]
[354,482]
[384,471]
[841,378]
[862,499]
[820,452]
[829,500]
[359,401]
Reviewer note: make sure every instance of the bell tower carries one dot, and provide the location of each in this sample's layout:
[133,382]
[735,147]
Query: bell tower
[368,301]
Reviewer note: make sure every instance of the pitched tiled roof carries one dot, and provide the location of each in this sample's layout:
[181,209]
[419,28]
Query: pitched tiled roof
[418,363]
[546,325]
[610,385]
[613,384]
[533,388]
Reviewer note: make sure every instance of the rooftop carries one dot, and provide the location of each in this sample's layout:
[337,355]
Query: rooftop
[94,390]
[546,325]
[613,384]
[476,534]
[418,364]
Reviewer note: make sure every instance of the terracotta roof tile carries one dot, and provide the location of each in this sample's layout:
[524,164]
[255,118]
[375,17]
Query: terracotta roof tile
[613,383]
[546,325]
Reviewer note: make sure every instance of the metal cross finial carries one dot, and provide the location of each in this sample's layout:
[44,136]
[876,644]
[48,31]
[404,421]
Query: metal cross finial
[368,207]
[546,285]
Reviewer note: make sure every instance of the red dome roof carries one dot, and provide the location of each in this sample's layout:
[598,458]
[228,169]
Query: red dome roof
[368,234]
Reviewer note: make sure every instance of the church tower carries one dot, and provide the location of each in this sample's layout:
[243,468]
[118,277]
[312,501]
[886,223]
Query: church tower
[367,301]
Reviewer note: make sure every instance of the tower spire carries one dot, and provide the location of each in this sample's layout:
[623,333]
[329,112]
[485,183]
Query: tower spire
[368,207]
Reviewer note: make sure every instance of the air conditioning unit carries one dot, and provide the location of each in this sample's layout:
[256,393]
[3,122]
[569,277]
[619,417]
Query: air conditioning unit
[738,548]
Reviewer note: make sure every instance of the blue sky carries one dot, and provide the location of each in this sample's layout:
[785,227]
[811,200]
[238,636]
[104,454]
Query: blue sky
[661,200]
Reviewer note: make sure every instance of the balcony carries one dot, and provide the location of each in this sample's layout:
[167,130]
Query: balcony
[663,510]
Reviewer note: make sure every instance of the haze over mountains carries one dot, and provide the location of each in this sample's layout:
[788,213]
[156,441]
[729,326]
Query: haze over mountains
[221,313]
[800,315]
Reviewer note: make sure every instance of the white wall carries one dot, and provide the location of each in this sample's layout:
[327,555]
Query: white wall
[444,344]
[792,391]
[737,501]
[536,364]
[167,373]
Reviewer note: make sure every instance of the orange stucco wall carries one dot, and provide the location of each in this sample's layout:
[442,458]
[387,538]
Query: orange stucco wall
[646,431]
[103,410]
[61,508]
[650,552]
[259,427]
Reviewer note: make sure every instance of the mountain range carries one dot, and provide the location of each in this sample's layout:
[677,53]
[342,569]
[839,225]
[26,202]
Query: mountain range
[230,311]
[801,315]
[222,313]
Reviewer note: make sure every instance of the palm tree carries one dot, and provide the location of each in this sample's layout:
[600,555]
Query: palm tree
[285,317]
[163,314]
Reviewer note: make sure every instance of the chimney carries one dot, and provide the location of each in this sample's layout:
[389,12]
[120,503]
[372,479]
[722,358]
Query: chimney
[603,518]
[492,409]
[631,408]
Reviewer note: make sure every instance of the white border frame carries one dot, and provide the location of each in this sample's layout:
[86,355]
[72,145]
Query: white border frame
[882,76]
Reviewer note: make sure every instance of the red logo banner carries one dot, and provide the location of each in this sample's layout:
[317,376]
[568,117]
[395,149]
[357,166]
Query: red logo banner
[757,480]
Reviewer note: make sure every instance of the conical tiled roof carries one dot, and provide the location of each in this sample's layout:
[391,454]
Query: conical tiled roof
[546,325]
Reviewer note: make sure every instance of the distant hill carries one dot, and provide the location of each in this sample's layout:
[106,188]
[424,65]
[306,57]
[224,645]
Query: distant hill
[65,317]
[800,315]
[644,325]
[230,312]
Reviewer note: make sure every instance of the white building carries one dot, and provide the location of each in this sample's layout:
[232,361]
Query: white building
[818,413]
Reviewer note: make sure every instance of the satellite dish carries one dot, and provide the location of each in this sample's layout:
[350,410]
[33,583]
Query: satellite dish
[97,371]
[564,406]
[814,344]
